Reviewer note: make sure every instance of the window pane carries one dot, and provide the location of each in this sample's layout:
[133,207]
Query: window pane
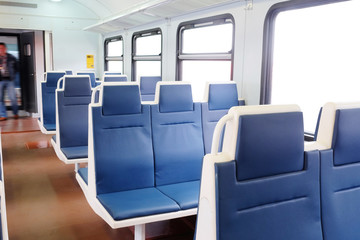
[115,48]
[316,59]
[149,45]
[115,66]
[211,39]
[147,68]
[200,72]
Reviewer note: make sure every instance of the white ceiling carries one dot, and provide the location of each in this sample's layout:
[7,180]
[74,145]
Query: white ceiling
[118,15]
[108,15]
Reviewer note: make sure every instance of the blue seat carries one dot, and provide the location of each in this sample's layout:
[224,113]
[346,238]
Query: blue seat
[120,177]
[114,78]
[69,72]
[262,185]
[178,144]
[147,87]
[339,134]
[47,121]
[219,98]
[72,100]
[111,73]
[92,78]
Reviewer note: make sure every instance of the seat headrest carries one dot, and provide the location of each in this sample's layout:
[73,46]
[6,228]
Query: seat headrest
[52,78]
[174,97]
[75,86]
[269,144]
[121,99]
[325,127]
[346,136]
[115,78]
[222,96]
[148,84]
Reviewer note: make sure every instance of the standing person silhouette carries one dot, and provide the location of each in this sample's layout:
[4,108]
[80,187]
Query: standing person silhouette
[8,68]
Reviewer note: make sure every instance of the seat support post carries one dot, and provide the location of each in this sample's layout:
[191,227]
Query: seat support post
[139,232]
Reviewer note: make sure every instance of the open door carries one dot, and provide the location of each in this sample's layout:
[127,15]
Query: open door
[27,70]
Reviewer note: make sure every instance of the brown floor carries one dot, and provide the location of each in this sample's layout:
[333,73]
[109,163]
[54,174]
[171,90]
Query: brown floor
[44,200]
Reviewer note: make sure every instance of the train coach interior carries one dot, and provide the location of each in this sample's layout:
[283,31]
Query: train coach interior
[180,119]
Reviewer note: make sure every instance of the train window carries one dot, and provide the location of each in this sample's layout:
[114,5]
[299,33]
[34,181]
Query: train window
[314,58]
[147,53]
[205,52]
[114,54]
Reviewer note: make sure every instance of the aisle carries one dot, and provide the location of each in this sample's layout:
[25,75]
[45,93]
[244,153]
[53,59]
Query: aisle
[44,200]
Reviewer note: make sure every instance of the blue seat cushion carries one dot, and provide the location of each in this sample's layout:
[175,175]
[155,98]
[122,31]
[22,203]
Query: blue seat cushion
[75,152]
[346,137]
[222,96]
[137,203]
[83,172]
[185,194]
[121,100]
[49,127]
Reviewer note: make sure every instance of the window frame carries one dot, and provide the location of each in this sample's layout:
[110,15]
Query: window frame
[113,58]
[135,57]
[198,23]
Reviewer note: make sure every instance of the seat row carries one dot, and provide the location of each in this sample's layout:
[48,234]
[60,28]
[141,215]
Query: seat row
[263,185]
[72,99]
[145,159]
[47,122]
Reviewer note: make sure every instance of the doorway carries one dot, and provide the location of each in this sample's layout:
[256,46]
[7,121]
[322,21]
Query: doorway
[20,44]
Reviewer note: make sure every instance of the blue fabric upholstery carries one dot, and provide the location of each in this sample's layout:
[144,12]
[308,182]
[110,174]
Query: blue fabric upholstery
[120,100]
[137,203]
[53,138]
[222,96]
[112,78]
[346,137]
[147,87]
[48,99]
[185,194]
[83,172]
[286,206]
[92,77]
[122,142]
[177,137]
[69,72]
[75,152]
[175,98]
[73,114]
[269,144]
[112,73]
[77,86]
[340,178]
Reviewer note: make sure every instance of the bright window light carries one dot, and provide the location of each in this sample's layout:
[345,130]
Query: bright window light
[316,57]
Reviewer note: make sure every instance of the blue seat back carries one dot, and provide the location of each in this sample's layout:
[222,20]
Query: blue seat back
[115,78]
[340,179]
[112,73]
[73,101]
[123,151]
[48,96]
[69,72]
[177,135]
[271,187]
[220,97]
[92,77]
[147,87]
